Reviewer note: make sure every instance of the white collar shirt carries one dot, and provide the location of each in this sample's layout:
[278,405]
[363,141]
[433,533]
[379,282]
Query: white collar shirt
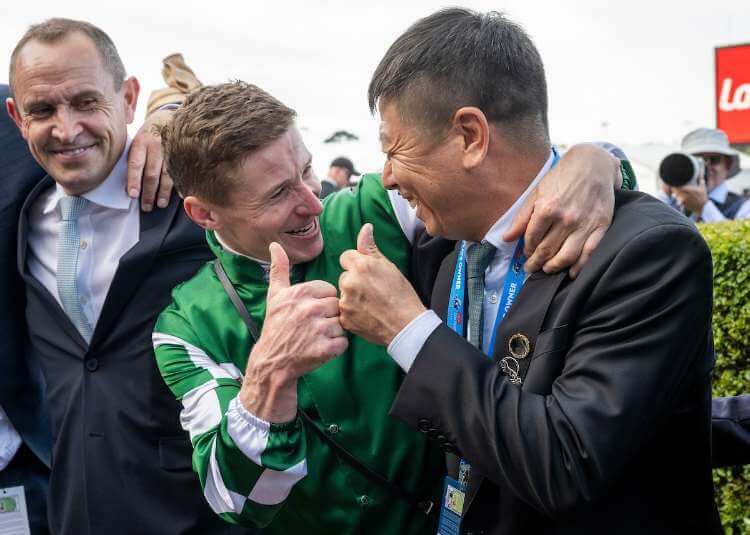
[494,276]
[109,227]
[10,440]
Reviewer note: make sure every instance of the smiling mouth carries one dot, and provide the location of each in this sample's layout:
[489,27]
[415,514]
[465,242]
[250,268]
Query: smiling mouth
[304,232]
[73,151]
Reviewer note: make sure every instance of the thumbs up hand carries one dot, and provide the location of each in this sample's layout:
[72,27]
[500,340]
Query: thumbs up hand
[301,332]
[366,242]
[278,275]
[377,301]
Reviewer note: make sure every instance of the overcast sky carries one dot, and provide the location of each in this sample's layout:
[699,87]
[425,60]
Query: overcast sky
[631,72]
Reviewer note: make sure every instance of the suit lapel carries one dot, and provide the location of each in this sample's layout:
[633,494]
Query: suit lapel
[536,296]
[527,319]
[23,248]
[135,264]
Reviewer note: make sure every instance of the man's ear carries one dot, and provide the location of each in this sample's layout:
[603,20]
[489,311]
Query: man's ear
[15,114]
[130,90]
[471,125]
[201,213]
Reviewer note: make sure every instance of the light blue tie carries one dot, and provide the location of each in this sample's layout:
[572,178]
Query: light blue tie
[478,257]
[68,246]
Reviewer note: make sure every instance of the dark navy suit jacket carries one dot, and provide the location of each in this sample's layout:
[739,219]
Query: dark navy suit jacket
[21,384]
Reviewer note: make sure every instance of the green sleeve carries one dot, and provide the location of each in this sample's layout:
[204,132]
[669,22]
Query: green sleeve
[346,211]
[247,467]
[628,176]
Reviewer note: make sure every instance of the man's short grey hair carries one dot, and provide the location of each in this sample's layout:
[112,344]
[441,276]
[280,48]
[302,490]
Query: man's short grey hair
[457,57]
[56,29]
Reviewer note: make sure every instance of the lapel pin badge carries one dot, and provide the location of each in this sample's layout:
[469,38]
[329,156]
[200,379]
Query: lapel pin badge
[519,346]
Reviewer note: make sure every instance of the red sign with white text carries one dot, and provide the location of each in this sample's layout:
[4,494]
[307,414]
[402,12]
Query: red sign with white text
[733,92]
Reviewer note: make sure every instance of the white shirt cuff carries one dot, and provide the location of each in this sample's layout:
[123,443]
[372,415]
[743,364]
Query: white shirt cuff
[248,416]
[407,344]
[249,433]
[710,213]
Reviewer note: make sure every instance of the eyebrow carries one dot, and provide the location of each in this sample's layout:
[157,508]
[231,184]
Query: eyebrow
[36,102]
[86,94]
[270,191]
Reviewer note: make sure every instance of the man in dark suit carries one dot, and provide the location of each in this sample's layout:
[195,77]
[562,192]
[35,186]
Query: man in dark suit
[21,384]
[575,406]
[97,271]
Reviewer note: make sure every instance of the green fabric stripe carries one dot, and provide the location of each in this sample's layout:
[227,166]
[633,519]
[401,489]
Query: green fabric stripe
[628,176]
[287,446]
[178,371]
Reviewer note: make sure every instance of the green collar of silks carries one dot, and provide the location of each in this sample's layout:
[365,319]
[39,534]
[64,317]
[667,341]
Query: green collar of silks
[243,270]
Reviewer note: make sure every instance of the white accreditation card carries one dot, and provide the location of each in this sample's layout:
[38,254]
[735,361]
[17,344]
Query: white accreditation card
[14,519]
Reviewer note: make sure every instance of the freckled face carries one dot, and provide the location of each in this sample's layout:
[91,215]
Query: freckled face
[69,112]
[275,200]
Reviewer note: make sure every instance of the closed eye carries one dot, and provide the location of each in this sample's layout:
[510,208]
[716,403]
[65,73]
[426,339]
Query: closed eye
[41,111]
[277,194]
[86,104]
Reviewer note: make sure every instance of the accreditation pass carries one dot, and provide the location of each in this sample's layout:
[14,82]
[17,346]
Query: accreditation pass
[14,519]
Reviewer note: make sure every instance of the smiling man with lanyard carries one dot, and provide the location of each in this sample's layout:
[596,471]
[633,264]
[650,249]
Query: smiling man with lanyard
[492,264]
[577,405]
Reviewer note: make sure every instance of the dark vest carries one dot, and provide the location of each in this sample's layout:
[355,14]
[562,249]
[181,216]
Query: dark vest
[731,205]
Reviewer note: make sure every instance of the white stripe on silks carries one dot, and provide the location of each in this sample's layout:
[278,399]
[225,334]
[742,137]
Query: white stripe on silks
[201,410]
[233,370]
[273,487]
[197,356]
[249,433]
[218,496]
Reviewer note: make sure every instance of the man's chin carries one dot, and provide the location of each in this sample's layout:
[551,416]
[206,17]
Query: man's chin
[300,254]
[432,228]
[75,183]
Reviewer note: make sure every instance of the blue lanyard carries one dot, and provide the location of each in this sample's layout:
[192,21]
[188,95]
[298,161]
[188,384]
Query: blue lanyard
[514,280]
[454,490]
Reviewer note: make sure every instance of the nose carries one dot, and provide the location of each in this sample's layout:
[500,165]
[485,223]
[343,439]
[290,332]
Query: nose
[389,181]
[309,200]
[66,126]
[313,183]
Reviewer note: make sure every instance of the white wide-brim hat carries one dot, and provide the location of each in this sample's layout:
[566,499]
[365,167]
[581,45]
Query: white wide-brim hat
[711,140]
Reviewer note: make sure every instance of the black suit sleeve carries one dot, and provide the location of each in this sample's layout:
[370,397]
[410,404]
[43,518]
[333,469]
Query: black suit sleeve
[631,353]
[427,254]
[730,431]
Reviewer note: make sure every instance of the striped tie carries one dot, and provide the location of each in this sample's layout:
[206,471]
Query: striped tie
[478,257]
[68,247]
